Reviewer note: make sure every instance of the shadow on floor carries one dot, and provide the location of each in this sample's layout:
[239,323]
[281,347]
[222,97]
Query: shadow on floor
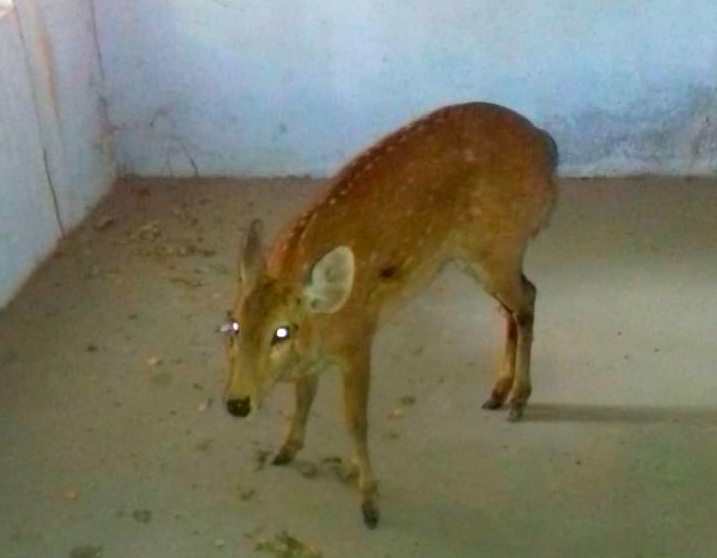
[562,412]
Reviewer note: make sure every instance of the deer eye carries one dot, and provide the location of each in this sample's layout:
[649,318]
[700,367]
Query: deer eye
[231,327]
[281,334]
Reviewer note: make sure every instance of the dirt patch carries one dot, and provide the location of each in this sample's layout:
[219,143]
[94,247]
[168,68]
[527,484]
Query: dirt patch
[87,551]
[142,516]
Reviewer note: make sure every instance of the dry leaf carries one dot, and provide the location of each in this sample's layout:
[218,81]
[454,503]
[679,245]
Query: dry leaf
[287,546]
[104,223]
[246,494]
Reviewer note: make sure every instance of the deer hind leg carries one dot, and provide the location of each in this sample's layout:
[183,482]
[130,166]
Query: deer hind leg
[305,393]
[506,371]
[503,279]
[518,297]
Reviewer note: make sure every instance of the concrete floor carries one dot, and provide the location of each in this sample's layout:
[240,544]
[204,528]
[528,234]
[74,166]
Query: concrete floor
[115,443]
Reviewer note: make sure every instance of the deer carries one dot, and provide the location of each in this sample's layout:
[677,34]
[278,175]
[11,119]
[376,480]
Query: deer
[468,183]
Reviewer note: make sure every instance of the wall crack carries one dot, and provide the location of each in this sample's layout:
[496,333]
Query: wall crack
[97,41]
[53,194]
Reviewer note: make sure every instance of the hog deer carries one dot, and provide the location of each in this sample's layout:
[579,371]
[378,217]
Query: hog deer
[471,182]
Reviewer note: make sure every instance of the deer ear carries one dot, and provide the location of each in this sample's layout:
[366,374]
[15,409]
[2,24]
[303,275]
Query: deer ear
[331,280]
[251,260]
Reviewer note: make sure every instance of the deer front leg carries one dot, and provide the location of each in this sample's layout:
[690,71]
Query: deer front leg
[305,393]
[356,387]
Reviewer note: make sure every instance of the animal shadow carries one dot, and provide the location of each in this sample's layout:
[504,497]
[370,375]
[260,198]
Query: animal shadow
[620,414]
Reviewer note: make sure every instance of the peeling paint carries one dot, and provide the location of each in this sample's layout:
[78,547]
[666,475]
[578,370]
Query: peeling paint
[700,132]
[671,138]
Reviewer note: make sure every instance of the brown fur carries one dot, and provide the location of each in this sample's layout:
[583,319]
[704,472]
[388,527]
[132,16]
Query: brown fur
[471,183]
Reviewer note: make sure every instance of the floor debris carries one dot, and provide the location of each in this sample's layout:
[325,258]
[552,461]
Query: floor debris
[287,546]
[396,413]
[87,551]
[307,469]
[71,494]
[142,516]
[185,282]
[245,494]
[345,472]
[148,231]
[104,223]
[204,405]
[261,456]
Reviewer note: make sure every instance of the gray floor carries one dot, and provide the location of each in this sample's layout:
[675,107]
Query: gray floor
[115,443]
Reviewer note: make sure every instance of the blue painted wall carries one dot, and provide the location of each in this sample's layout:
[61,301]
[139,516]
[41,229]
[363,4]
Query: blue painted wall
[256,88]
[56,146]
[63,58]
[28,224]
[249,87]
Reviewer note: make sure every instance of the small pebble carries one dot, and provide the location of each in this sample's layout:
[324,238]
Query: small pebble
[204,405]
[396,413]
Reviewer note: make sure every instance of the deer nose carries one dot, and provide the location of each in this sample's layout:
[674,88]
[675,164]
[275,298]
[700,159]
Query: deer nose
[239,407]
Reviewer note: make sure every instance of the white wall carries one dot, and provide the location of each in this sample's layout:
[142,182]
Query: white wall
[64,61]
[250,87]
[28,224]
[56,153]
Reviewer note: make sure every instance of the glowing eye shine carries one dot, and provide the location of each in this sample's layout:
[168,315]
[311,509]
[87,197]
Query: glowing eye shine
[281,334]
[230,327]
